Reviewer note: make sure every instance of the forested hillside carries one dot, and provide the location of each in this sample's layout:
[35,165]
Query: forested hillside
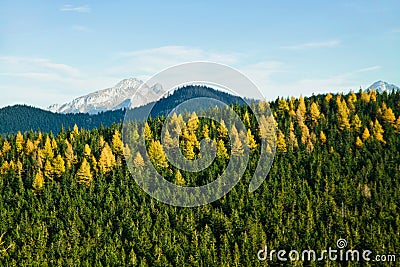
[68,199]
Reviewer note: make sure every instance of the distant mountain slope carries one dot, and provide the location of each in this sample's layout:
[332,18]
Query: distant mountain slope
[381,86]
[126,93]
[24,118]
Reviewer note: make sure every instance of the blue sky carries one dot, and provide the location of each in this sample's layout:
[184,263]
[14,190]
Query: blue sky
[54,51]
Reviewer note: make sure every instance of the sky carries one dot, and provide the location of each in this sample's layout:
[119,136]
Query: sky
[54,51]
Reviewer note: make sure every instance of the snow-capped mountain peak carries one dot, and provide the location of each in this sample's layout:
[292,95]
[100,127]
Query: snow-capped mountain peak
[381,86]
[124,94]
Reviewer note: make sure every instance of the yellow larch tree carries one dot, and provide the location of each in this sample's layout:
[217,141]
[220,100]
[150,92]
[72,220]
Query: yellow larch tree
[206,131]
[365,97]
[157,155]
[328,97]
[148,136]
[302,107]
[69,154]
[351,100]
[365,134]
[19,142]
[359,143]
[29,147]
[47,151]
[343,114]
[237,145]
[388,115]
[283,105]
[48,170]
[372,95]
[178,179]
[222,131]
[246,119]
[280,142]
[292,113]
[84,173]
[38,183]
[58,166]
[356,123]
[222,152]
[87,151]
[315,114]
[107,159]
[252,145]
[117,145]
[138,161]
[378,131]
[322,137]
[6,147]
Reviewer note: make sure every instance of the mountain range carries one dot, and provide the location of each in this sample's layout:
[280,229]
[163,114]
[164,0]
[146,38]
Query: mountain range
[381,86]
[130,93]
[127,93]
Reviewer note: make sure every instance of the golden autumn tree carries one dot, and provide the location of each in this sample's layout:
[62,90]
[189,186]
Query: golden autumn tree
[178,179]
[38,183]
[222,152]
[6,147]
[387,114]
[148,136]
[283,105]
[366,134]
[87,151]
[322,137]
[48,170]
[328,97]
[356,123]
[138,160]
[246,119]
[343,114]
[107,159]
[222,131]
[117,145]
[280,142]
[47,151]
[29,147]
[69,154]
[365,97]
[237,145]
[19,142]
[84,173]
[372,95]
[301,108]
[378,131]
[359,143]
[292,113]
[157,155]
[58,166]
[315,114]
[252,145]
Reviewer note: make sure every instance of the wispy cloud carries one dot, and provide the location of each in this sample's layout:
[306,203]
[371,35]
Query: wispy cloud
[397,30]
[372,68]
[17,65]
[311,45]
[79,9]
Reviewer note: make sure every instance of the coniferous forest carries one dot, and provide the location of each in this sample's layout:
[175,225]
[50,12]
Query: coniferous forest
[68,199]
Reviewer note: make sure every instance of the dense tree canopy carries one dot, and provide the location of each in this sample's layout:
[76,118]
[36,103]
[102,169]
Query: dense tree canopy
[68,199]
